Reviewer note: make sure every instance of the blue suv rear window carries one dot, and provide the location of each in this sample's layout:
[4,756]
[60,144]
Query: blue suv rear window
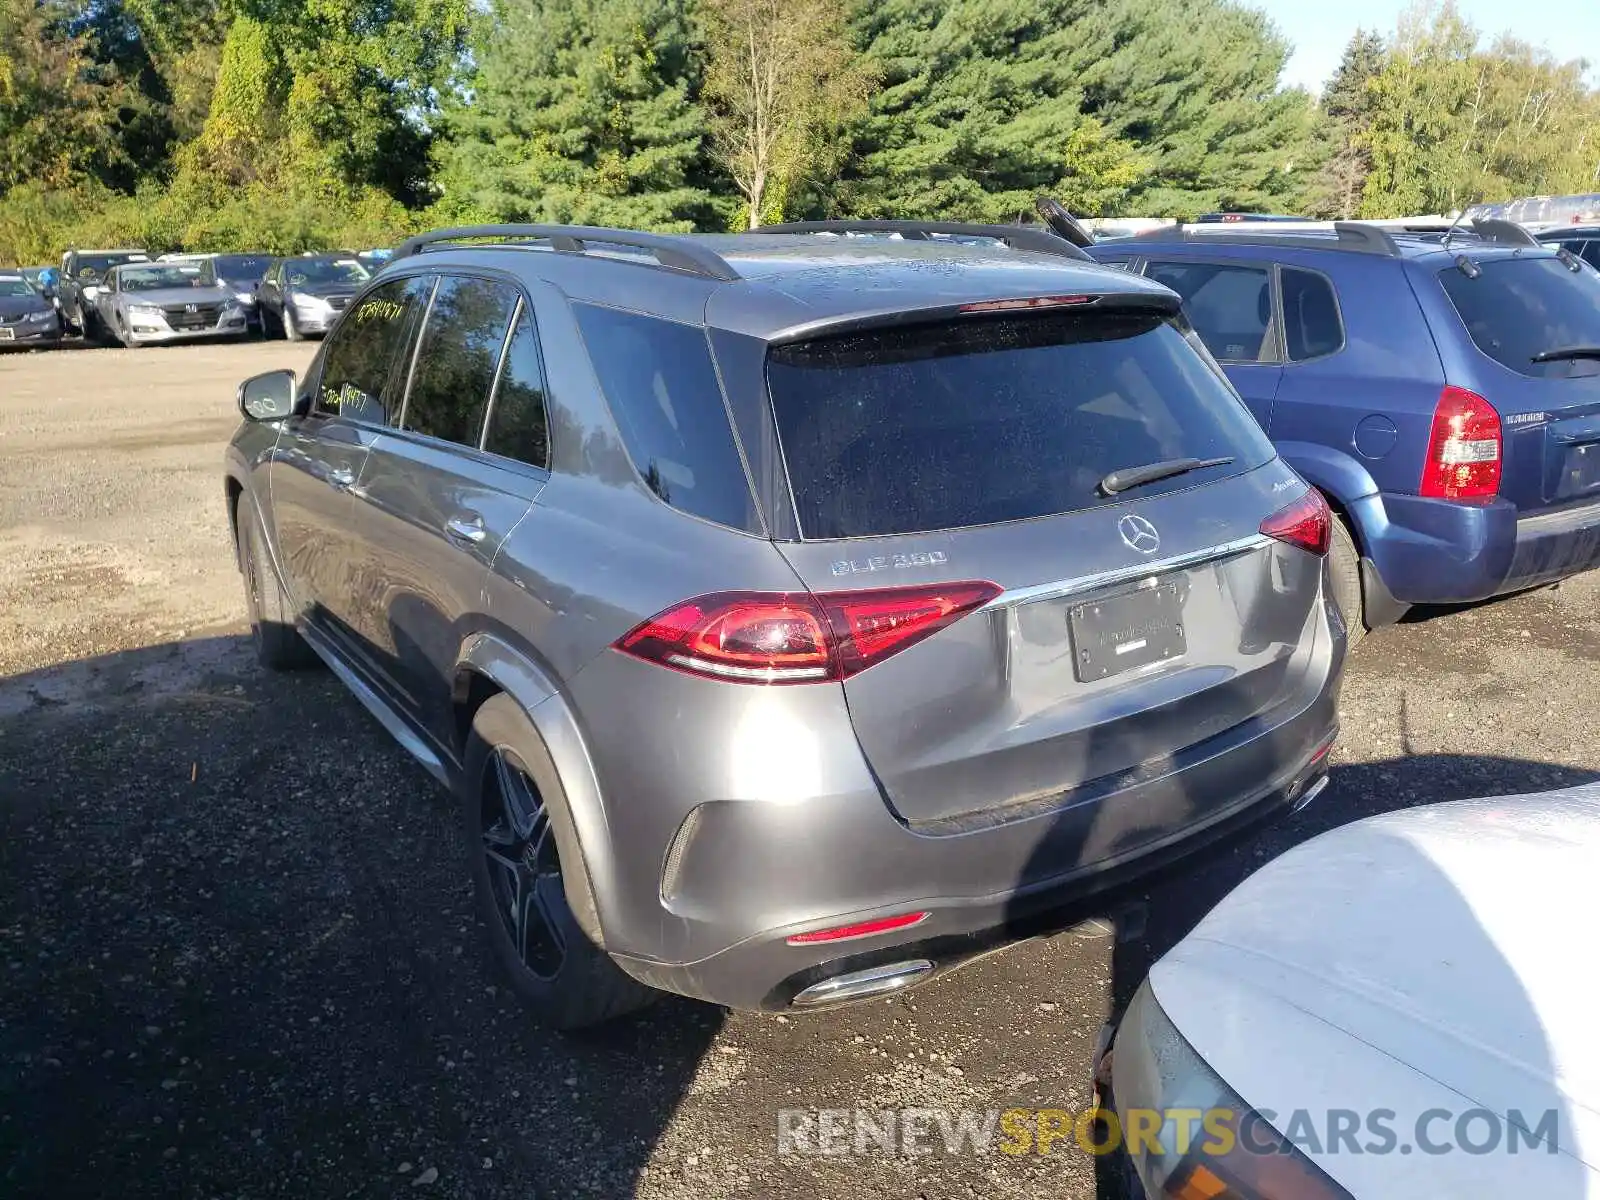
[986,420]
[1516,308]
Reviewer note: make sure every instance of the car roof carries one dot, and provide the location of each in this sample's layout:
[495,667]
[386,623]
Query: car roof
[786,285]
[1556,232]
[1397,244]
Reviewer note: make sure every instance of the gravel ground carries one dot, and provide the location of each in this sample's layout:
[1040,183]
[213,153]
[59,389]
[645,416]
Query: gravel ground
[238,955]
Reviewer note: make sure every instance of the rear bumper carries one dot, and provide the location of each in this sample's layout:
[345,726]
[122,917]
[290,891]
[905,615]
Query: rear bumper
[1438,552]
[841,859]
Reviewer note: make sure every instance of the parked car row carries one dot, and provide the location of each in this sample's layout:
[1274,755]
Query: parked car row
[128,297]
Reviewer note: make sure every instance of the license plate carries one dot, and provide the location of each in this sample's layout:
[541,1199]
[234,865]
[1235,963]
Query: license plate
[8,335]
[1581,472]
[1120,633]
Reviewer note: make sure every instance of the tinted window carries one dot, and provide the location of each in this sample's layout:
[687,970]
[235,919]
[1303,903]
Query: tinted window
[1311,326]
[457,358]
[1591,252]
[362,352]
[1519,307]
[517,424]
[1231,307]
[938,427]
[663,391]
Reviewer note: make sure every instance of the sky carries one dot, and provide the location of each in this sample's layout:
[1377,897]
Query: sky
[1319,29]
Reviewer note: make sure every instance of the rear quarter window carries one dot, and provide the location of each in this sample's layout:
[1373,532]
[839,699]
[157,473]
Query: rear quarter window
[661,385]
[996,419]
[1517,308]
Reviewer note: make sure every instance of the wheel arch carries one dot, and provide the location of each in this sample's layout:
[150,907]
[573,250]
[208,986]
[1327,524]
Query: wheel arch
[1342,480]
[556,755]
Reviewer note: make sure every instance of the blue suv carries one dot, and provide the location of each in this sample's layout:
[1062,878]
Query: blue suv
[1442,390]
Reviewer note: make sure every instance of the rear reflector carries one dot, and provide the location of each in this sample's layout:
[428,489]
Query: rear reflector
[797,637]
[1464,450]
[1306,523]
[1026,302]
[840,933]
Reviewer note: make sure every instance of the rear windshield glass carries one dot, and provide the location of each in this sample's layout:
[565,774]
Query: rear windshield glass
[940,427]
[1521,307]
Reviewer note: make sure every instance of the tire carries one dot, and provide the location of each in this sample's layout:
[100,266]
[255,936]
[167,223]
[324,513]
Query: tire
[1344,581]
[279,646]
[290,329]
[516,865]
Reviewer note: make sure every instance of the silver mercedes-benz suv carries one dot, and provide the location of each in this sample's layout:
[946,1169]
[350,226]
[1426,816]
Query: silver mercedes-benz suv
[795,614]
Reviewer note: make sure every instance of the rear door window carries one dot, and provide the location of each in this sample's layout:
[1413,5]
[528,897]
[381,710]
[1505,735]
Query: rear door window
[359,376]
[459,352]
[989,420]
[1517,308]
[1311,324]
[662,387]
[1230,306]
[518,424]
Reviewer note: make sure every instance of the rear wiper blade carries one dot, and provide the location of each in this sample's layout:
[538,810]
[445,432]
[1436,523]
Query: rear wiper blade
[1131,477]
[1566,352]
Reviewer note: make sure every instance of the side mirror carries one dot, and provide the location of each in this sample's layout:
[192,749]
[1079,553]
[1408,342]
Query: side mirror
[269,397]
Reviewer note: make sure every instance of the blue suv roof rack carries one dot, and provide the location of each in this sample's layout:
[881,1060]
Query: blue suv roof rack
[677,253]
[1018,237]
[1350,235]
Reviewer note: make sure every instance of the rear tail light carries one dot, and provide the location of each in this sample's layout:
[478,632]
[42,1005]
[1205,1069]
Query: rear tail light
[1026,302]
[1465,449]
[1306,523]
[797,637]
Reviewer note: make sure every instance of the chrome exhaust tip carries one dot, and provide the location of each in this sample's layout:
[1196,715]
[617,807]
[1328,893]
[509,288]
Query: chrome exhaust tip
[858,985]
[1310,794]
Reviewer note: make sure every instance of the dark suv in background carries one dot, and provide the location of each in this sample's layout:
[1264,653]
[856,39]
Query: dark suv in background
[1441,388]
[794,615]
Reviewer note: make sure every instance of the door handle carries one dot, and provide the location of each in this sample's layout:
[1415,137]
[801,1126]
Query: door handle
[467,531]
[341,478]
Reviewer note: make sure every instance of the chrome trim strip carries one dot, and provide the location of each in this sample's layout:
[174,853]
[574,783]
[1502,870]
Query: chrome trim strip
[874,981]
[387,717]
[1565,521]
[1101,579]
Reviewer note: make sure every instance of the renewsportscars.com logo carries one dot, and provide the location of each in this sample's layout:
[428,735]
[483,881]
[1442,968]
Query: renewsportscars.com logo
[1214,1132]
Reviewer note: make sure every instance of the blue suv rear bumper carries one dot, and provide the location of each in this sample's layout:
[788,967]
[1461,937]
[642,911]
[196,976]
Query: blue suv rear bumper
[1438,552]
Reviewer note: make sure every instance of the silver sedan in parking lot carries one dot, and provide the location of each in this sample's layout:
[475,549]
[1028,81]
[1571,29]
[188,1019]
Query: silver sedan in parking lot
[140,303]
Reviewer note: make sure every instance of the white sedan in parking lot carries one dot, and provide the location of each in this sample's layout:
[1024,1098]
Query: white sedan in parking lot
[1402,1007]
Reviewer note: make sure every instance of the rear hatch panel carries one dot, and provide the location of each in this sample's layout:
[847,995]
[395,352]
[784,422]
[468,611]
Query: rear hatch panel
[1130,626]
[993,716]
[1515,307]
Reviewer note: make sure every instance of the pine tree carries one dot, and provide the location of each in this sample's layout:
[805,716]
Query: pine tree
[981,109]
[1347,110]
[581,111]
[1148,106]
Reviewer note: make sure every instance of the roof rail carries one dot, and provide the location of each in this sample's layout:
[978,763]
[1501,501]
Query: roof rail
[1349,235]
[678,253]
[1018,237]
[1506,233]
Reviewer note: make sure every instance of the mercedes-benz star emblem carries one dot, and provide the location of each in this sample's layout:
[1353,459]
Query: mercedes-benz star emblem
[1138,534]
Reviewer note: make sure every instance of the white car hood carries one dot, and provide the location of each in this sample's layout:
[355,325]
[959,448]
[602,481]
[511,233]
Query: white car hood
[1439,957]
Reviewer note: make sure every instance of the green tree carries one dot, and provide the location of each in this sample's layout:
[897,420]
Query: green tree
[1150,106]
[58,108]
[782,80]
[981,109]
[580,111]
[1347,112]
[1454,122]
[1195,86]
